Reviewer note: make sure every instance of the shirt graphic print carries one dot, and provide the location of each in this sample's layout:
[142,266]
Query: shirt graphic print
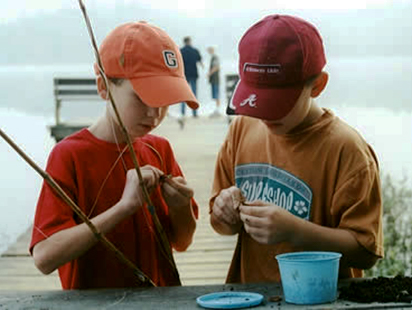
[270,184]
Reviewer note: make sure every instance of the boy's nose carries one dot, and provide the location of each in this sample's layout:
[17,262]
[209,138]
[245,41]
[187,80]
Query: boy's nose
[153,112]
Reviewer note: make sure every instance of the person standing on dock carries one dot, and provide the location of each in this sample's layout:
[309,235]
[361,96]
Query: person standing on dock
[291,176]
[191,57]
[214,79]
[94,167]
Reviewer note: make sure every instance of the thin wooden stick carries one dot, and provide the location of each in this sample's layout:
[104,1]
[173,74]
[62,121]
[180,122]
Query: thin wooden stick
[55,186]
[164,242]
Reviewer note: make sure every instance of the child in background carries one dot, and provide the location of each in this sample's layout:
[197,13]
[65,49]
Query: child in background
[310,181]
[94,167]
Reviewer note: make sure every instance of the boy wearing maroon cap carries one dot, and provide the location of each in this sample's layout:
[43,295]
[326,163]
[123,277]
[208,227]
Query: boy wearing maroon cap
[94,167]
[292,176]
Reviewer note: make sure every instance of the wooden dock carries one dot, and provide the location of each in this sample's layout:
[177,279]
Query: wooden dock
[207,259]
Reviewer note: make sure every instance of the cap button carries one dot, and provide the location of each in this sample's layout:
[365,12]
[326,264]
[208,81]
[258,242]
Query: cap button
[275,16]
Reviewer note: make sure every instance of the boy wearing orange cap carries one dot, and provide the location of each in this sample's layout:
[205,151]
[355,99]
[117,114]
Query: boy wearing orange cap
[94,167]
[292,176]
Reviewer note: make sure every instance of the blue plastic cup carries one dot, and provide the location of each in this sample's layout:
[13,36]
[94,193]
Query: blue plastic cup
[309,277]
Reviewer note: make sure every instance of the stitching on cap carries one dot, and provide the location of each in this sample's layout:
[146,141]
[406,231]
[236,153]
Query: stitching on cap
[127,47]
[261,48]
[304,55]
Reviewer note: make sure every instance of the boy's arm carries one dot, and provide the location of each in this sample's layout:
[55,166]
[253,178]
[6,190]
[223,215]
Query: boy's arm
[358,235]
[315,237]
[182,217]
[224,216]
[68,244]
[270,224]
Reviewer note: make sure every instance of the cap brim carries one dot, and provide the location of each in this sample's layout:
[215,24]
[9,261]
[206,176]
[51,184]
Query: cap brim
[263,103]
[160,91]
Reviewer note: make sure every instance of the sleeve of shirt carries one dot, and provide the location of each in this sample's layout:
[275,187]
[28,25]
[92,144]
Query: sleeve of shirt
[224,176]
[52,213]
[358,201]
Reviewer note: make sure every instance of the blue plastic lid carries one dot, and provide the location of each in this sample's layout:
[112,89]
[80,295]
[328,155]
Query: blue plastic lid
[229,300]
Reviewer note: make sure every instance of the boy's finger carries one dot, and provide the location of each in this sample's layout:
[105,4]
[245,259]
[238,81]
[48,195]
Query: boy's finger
[258,203]
[223,212]
[171,186]
[179,180]
[253,211]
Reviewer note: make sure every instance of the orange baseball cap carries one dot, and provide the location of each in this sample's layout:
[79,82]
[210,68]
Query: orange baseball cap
[148,57]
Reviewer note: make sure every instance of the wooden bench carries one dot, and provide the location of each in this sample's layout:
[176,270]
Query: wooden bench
[70,89]
[84,89]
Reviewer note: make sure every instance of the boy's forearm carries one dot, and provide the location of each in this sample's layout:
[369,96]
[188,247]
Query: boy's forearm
[183,223]
[310,236]
[68,244]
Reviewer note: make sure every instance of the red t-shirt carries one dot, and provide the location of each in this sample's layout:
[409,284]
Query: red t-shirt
[80,164]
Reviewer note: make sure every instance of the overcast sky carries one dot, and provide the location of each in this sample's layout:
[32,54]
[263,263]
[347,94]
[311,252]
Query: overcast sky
[11,9]
[350,28]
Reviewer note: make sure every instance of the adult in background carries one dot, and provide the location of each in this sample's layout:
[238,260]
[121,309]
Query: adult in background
[213,76]
[191,57]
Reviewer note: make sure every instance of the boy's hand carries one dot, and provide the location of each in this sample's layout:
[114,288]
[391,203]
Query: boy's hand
[267,223]
[132,197]
[177,195]
[226,204]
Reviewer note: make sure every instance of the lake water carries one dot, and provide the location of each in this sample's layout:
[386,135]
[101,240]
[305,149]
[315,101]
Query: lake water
[373,95]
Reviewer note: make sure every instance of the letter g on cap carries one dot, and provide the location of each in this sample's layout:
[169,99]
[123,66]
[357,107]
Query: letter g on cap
[170,59]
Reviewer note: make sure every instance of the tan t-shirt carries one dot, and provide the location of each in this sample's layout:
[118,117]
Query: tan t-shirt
[326,174]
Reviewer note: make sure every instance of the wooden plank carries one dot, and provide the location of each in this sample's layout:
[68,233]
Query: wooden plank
[19,267]
[16,283]
[21,246]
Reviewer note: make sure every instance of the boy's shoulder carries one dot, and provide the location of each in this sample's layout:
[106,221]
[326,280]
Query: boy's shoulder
[350,144]
[329,128]
[158,143]
[71,140]
[155,140]
[83,139]
[70,147]
[240,121]
[242,125]
[340,130]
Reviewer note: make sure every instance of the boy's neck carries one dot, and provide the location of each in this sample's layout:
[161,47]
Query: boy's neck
[107,130]
[314,114]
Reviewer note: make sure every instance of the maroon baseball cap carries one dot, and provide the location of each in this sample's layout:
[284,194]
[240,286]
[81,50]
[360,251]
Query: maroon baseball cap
[277,55]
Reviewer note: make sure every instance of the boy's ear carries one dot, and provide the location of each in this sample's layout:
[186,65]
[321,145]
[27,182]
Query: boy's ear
[319,84]
[101,88]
